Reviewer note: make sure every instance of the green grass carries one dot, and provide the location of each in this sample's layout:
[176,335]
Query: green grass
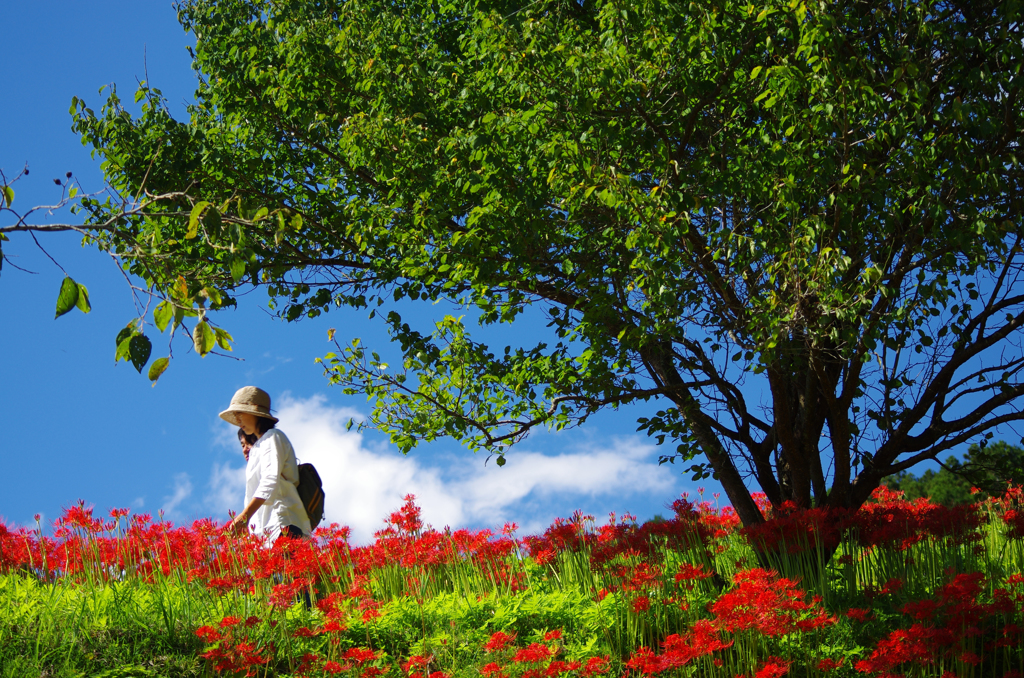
[101,611]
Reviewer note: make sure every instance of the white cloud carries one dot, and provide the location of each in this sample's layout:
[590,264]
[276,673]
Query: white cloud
[182,491]
[227,491]
[363,482]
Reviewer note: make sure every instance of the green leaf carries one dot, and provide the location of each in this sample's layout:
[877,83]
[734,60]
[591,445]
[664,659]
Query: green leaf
[193,219]
[123,352]
[871,275]
[755,71]
[157,368]
[67,297]
[8,193]
[203,338]
[212,220]
[223,339]
[163,314]
[139,348]
[121,342]
[237,268]
[83,299]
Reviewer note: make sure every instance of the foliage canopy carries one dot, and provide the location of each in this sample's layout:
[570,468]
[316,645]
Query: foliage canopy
[986,471]
[796,224]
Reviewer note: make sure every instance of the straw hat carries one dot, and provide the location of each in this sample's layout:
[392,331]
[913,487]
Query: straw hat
[248,399]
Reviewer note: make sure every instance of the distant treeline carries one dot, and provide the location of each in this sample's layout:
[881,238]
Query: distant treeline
[985,469]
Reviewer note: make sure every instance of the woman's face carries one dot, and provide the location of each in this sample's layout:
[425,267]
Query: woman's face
[246,422]
[245,447]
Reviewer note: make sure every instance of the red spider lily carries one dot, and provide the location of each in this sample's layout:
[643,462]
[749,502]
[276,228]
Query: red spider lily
[304,632]
[891,521]
[961,616]
[406,520]
[595,666]
[970,658]
[859,614]
[645,662]
[492,670]
[499,641]
[899,647]
[208,634]
[617,538]
[417,662]
[307,661]
[771,605]
[360,655]
[774,667]
[829,664]
[238,657]
[557,668]
[702,640]
[921,610]
[333,667]
[283,595]
[1015,520]
[795,530]
[689,573]
[888,588]
[532,654]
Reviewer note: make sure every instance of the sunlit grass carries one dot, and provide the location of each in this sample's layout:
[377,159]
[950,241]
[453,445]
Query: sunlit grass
[899,588]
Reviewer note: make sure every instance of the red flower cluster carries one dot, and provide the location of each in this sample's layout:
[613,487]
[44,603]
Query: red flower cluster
[702,640]
[892,521]
[605,544]
[768,604]
[232,650]
[651,569]
[947,626]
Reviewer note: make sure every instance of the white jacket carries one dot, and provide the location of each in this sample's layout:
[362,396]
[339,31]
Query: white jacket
[273,475]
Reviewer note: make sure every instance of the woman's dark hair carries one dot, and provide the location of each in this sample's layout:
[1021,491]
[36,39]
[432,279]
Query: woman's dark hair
[263,425]
[250,438]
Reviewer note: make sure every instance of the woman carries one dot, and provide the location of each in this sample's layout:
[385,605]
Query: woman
[272,504]
[246,440]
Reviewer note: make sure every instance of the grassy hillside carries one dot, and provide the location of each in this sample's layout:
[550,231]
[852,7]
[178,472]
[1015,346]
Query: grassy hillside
[913,589]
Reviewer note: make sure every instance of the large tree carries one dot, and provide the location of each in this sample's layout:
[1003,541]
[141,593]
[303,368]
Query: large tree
[797,225]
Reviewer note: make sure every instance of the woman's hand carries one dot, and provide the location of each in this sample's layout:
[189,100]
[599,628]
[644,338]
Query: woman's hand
[240,524]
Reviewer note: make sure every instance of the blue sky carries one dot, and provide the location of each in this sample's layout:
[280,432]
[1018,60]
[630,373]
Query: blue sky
[78,426]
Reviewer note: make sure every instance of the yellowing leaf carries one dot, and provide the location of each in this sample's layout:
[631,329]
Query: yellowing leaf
[158,367]
[193,219]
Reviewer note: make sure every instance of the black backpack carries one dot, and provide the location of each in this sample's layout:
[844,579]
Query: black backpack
[311,493]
